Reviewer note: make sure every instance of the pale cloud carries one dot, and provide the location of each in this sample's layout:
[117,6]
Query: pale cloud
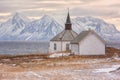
[5,14]
[36,8]
[40,9]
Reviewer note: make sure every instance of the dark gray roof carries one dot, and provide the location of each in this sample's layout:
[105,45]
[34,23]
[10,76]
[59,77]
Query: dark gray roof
[68,21]
[65,35]
[83,34]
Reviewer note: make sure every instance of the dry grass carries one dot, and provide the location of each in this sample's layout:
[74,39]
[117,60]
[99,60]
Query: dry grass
[54,68]
[29,58]
[23,56]
[43,62]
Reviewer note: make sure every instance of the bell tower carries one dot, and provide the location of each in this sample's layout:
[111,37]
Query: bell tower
[68,23]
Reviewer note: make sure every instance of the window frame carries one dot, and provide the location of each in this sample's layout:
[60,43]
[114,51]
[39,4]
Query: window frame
[67,46]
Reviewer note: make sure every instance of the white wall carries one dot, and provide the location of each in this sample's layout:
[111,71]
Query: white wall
[75,48]
[91,45]
[58,44]
[64,45]
[51,47]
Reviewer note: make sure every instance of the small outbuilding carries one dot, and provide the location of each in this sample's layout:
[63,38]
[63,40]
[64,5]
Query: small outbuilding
[88,43]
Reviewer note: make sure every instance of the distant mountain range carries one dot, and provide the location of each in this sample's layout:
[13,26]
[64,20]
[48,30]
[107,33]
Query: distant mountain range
[20,28]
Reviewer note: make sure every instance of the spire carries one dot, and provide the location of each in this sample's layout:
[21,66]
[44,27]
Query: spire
[68,22]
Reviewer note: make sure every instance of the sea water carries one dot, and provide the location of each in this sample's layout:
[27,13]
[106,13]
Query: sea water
[17,48]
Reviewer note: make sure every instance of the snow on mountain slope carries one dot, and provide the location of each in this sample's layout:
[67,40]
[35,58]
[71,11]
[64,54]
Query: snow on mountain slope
[43,29]
[98,25]
[107,31]
[20,27]
[10,29]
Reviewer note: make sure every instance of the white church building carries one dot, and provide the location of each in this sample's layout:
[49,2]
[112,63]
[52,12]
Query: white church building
[61,42]
[86,43]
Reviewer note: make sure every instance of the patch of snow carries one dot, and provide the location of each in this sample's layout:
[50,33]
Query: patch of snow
[13,65]
[35,74]
[104,70]
[107,70]
[116,66]
[31,73]
[58,55]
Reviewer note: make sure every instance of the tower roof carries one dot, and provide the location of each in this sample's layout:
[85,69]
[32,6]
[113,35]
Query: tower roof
[68,25]
[68,21]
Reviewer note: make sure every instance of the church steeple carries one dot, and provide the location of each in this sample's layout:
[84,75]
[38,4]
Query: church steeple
[68,23]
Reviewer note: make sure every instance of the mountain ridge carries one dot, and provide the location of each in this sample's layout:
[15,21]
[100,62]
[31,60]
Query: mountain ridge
[21,28]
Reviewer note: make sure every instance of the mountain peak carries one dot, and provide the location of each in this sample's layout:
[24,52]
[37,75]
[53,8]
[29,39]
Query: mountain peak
[19,20]
[47,17]
[18,16]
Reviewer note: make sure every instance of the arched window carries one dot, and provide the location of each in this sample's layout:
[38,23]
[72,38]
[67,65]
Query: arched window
[55,46]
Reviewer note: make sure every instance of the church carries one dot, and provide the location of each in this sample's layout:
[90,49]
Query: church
[61,42]
[86,43]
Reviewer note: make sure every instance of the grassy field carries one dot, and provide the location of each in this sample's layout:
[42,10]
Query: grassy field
[42,67]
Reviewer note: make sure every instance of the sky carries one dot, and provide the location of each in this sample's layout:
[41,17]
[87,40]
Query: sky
[108,10]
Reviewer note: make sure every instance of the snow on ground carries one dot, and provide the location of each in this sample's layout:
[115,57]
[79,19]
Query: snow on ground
[58,55]
[61,74]
[114,67]
[55,69]
[105,69]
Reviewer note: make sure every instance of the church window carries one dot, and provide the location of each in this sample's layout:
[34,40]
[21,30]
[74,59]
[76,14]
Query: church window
[67,47]
[55,46]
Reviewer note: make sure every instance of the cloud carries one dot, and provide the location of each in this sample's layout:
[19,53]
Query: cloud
[78,7]
[35,8]
[5,14]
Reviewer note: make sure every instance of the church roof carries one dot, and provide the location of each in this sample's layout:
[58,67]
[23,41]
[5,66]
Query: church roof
[65,35]
[83,34]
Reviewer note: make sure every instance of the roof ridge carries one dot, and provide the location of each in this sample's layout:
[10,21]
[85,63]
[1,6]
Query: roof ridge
[63,34]
[72,34]
[83,34]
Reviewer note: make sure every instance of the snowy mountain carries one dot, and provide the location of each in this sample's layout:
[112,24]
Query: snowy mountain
[20,27]
[107,31]
[98,25]
[10,29]
[43,29]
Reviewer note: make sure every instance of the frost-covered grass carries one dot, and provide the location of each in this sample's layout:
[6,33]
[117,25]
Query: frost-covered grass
[60,67]
[59,74]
